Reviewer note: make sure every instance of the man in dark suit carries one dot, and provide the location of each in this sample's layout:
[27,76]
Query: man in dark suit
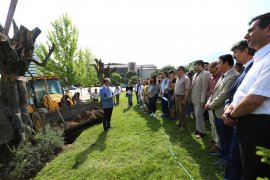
[250,108]
[244,55]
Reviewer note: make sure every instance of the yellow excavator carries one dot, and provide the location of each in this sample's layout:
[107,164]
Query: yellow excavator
[50,103]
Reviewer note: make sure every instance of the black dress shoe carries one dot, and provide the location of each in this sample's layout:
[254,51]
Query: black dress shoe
[200,135]
[196,132]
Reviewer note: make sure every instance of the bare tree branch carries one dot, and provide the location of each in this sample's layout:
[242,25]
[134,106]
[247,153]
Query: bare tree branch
[15,27]
[44,62]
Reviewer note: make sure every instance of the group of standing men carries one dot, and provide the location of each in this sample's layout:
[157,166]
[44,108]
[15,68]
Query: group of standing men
[238,103]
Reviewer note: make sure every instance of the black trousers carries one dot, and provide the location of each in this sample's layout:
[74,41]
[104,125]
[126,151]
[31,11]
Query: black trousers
[253,130]
[137,97]
[107,118]
[153,104]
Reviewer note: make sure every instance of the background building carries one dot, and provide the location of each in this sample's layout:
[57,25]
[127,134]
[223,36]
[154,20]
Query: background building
[143,71]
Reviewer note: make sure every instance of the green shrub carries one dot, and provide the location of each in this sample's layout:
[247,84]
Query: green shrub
[265,153]
[30,158]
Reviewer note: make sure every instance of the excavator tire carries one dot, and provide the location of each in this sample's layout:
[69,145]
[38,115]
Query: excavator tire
[38,121]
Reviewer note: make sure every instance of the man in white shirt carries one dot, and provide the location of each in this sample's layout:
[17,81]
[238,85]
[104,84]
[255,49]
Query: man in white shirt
[250,109]
[95,95]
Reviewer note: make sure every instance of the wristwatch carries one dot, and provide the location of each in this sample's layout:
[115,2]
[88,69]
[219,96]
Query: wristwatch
[233,118]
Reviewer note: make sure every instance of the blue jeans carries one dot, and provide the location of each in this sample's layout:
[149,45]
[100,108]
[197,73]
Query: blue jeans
[190,108]
[234,167]
[225,134]
[164,106]
[170,101]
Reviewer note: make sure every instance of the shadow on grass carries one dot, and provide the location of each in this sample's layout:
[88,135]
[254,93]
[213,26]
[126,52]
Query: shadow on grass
[196,148]
[185,139]
[152,123]
[126,109]
[99,145]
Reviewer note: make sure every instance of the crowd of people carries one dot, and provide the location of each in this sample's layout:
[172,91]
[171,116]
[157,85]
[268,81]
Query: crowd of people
[235,97]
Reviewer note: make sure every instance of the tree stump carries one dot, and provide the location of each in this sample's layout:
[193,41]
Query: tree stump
[101,71]
[16,54]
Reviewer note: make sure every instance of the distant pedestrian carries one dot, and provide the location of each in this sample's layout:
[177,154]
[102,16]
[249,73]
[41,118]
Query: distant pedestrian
[95,95]
[171,85]
[163,94]
[106,96]
[117,94]
[129,93]
[153,92]
[137,89]
[145,95]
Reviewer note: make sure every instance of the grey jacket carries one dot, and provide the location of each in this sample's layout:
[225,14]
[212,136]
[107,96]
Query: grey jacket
[199,87]
[221,92]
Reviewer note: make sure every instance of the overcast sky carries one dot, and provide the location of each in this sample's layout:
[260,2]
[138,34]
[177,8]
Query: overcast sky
[160,32]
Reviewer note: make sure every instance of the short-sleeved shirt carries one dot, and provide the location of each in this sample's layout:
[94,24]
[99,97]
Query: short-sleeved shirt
[171,83]
[164,85]
[257,81]
[95,95]
[153,90]
[129,88]
[182,84]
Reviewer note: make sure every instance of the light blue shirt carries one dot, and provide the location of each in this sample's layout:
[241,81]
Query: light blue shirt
[106,94]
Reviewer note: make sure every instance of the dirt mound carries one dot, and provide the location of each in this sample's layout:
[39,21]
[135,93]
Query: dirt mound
[81,122]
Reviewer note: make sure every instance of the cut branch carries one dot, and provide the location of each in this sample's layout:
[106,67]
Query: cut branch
[44,62]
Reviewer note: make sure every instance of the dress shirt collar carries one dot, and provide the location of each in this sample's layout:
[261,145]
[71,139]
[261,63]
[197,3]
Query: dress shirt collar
[107,87]
[228,72]
[216,75]
[262,52]
[248,63]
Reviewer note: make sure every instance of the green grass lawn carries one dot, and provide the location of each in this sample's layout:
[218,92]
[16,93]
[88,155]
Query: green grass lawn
[137,147]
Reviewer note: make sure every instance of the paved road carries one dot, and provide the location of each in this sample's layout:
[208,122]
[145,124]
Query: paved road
[84,92]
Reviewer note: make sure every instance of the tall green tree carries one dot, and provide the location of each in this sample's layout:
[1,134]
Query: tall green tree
[85,73]
[63,62]
[189,66]
[129,74]
[116,78]
[167,68]
[91,75]
[164,68]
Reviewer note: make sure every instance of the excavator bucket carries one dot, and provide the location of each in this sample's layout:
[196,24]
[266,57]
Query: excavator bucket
[70,113]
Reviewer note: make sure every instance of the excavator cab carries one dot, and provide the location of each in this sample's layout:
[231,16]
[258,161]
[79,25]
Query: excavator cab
[45,94]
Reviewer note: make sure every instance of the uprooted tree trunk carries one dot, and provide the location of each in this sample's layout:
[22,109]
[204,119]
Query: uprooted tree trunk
[101,71]
[16,54]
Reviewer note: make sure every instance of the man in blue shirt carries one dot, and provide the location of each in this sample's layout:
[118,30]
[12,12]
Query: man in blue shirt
[106,96]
